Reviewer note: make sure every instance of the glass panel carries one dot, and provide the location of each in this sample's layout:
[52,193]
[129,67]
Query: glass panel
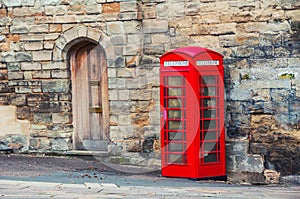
[209,80]
[174,114]
[210,158]
[176,136]
[175,125]
[175,92]
[174,103]
[209,91]
[176,158]
[175,81]
[210,135]
[210,113]
[175,147]
[209,102]
[210,124]
[210,146]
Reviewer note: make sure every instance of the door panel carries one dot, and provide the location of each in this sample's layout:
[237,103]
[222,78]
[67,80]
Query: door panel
[89,76]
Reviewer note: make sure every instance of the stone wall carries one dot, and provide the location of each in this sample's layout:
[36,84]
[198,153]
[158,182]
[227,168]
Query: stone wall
[258,38]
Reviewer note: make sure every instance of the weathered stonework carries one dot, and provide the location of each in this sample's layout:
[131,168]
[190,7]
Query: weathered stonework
[259,41]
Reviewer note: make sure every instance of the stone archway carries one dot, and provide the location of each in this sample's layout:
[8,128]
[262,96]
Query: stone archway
[87,49]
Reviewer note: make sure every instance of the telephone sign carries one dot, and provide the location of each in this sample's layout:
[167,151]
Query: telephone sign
[192,113]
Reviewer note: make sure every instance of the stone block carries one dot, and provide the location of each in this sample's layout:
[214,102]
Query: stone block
[128,16]
[237,147]
[3,75]
[124,72]
[155,26]
[60,74]
[94,34]
[54,65]
[113,95]
[42,55]
[149,12]
[40,28]
[8,114]
[261,84]
[117,107]
[8,57]
[136,83]
[56,86]
[33,46]
[278,27]
[31,66]
[129,6]
[22,29]
[118,40]
[64,19]
[28,2]
[116,83]
[170,9]
[60,144]
[207,41]
[115,28]
[132,27]
[140,94]
[14,3]
[160,38]
[48,45]
[23,57]
[41,75]
[123,120]
[60,118]
[240,94]
[133,145]
[119,133]
[157,49]
[109,8]
[31,37]
[123,95]
[15,75]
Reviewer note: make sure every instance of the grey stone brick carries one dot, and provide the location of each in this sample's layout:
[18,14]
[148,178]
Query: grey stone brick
[23,57]
[56,86]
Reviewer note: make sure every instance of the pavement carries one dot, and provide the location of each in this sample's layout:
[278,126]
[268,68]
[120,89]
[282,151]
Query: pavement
[61,177]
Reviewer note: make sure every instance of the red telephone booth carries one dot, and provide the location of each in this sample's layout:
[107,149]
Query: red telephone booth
[192,113]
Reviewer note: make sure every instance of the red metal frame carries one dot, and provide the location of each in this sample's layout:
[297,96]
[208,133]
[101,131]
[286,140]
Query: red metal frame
[192,113]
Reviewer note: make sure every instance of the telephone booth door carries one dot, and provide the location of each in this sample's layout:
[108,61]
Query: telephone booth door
[192,113]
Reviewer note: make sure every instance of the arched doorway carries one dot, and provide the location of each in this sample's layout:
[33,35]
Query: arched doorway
[89,96]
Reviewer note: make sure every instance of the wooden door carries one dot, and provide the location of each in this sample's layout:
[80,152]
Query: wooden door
[90,98]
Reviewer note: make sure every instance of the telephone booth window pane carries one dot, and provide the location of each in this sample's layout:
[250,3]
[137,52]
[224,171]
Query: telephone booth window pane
[212,157]
[210,124]
[175,92]
[209,91]
[176,136]
[176,158]
[174,103]
[210,146]
[209,80]
[175,125]
[174,114]
[209,102]
[175,147]
[175,81]
[210,135]
[209,113]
